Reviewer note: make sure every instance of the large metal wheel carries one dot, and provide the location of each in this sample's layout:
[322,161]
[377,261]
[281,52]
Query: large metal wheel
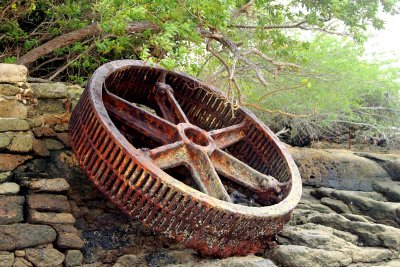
[168,150]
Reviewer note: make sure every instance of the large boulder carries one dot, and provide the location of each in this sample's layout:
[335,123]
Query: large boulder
[340,169]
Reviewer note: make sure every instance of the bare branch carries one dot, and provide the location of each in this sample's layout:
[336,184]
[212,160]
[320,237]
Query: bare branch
[277,111]
[270,27]
[242,9]
[74,36]
[272,61]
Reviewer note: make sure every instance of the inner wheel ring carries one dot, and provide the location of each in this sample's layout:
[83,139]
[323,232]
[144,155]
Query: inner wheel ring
[136,183]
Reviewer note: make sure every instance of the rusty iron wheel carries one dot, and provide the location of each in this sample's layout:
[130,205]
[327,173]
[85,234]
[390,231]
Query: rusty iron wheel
[168,150]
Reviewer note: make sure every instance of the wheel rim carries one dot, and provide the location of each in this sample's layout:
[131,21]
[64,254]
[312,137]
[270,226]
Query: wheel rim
[209,146]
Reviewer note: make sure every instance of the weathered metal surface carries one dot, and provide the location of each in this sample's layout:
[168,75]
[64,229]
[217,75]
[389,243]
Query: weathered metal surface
[133,127]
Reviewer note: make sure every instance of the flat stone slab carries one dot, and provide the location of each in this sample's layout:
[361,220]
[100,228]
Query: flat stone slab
[49,90]
[50,217]
[19,236]
[69,241]
[9,188]
[47,185]
[13,124]
[21,142]
[11,209]
[13,109]
[8,162]
[12,73]
[48,202]
[9,89]
[45,257]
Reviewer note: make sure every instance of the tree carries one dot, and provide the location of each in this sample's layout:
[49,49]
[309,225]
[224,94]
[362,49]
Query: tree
[238,45]
[347,92]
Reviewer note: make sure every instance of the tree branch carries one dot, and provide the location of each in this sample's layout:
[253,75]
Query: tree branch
[58,42]
[271,27]
[77,35]
[242,9]
[273,111]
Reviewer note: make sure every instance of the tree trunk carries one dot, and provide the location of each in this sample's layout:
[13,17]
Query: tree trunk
[74,36]
[58,42]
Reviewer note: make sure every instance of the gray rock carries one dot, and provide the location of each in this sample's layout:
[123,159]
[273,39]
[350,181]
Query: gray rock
[9,89]
[21,143]
[52,144]
[6,259]
[162,258]
[5,176]
[69,241]
[300,256]
[325,238]
[391,190]
[50,217]
[39,148]
[50,106]
[13,109]
[5,140]
[61,127]
[13,124]
[339,169]
[9,188]
[11,209]
[356,218]
[384,212]
[372,234]
[49,90]
[74,93]
[336,205]
[73,258]
[43,131]
[48,202]
[46,257]
[19,236]
[47,185]
[248,261]
[390,162]
[11,73]
[21,262]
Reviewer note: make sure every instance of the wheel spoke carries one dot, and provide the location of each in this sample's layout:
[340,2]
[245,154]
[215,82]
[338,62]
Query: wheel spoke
[241,173]
[228,136]
[168,156]
[154,127]
[205,176]
[169,107]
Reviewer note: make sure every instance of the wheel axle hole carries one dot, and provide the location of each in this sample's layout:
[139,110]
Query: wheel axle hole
[196,137]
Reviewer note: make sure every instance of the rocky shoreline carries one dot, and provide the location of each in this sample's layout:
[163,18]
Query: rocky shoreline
[50,214]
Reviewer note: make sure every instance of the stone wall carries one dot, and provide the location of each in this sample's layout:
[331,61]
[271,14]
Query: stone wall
[36,223]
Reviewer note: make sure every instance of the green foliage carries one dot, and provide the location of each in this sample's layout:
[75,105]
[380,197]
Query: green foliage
[340,87]
[331,82]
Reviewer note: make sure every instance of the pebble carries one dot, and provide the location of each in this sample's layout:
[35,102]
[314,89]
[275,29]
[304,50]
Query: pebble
[9,188]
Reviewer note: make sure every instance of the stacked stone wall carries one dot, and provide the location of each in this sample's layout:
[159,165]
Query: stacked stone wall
[36,221]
